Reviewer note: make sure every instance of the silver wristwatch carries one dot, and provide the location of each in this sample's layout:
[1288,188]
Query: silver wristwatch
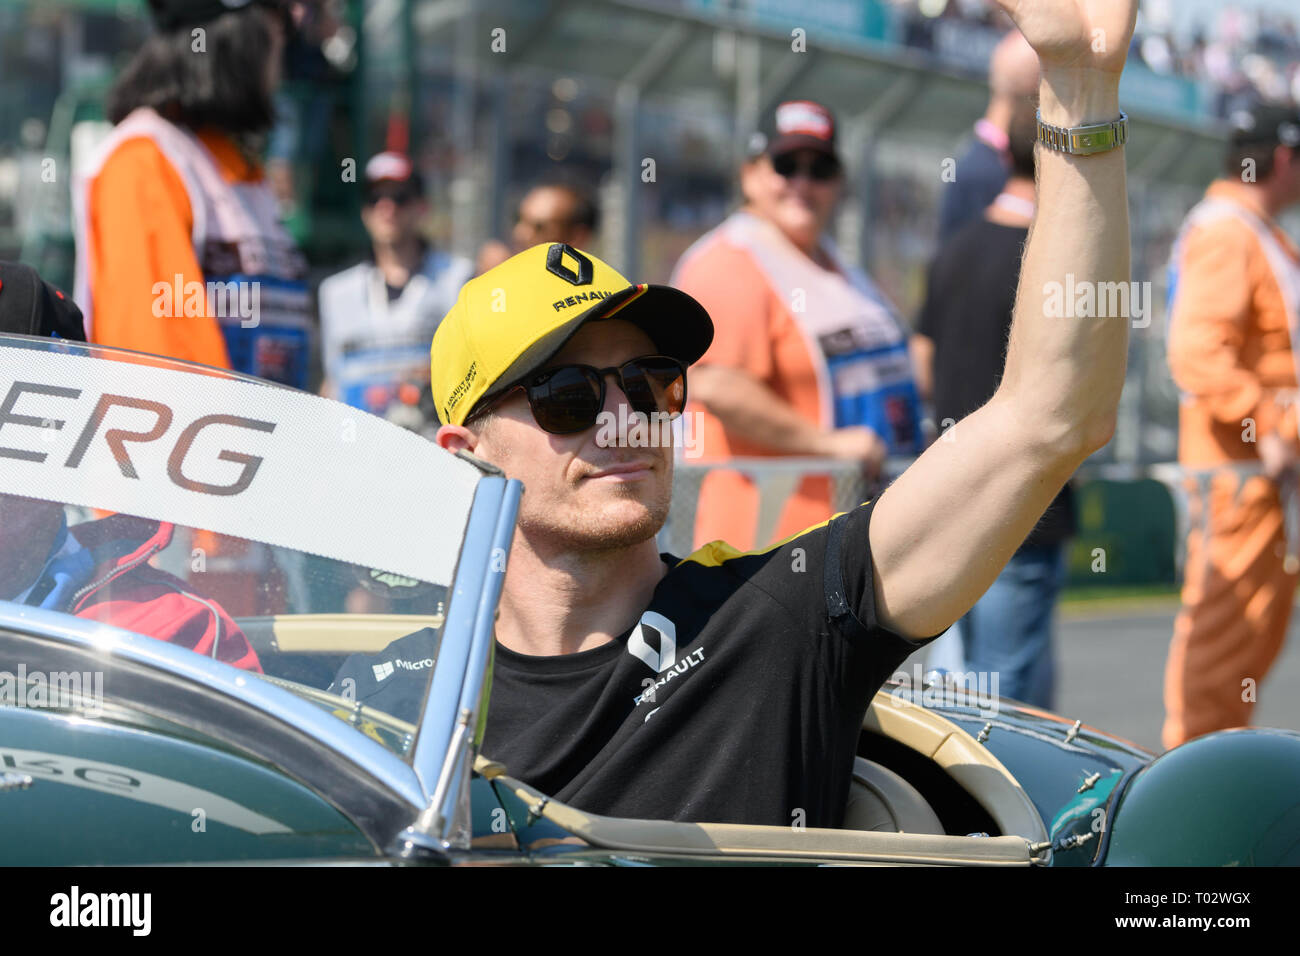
[1084,140]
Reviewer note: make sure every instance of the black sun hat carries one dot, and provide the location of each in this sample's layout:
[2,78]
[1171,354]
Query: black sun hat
[795,124]
[1271,124]
[31,306]
[175,14]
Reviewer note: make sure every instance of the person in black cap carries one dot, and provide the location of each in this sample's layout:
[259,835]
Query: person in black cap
[175,208]
[31,306]
[1256,137]
[1234,318]
[810,358]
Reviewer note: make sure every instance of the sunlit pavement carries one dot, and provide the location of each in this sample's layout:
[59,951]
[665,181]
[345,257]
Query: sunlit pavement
[1110,672]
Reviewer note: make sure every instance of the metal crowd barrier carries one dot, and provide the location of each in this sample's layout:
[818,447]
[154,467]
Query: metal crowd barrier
[1177,479]
[776,479]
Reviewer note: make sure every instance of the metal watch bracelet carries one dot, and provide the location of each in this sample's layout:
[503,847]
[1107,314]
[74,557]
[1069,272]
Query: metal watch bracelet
[1084,140]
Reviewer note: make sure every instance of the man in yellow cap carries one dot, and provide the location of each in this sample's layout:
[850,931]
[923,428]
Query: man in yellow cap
[727,686]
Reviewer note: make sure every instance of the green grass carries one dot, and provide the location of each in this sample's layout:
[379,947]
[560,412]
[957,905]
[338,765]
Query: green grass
[1131,593]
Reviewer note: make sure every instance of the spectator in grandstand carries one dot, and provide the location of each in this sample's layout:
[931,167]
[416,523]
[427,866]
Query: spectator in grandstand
[1243,54]
[179,250]
[1234,308]
[557,209]
[313,82]
[962,334]
[983,166]
[808,357]
[378,317]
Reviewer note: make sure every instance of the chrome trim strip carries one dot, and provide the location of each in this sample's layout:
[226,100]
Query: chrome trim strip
[451,814]
[438,716]
[260,695]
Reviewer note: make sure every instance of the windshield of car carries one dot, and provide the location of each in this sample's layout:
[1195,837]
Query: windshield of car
[273,531]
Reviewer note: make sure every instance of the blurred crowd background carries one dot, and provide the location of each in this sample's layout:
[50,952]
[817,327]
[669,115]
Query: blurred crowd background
[488,97]
[1232,52]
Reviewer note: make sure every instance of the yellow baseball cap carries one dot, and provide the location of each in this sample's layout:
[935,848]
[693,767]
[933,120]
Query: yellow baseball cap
[509,321]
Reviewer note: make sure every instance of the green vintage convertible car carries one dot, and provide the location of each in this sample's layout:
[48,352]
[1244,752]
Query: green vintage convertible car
[187,557]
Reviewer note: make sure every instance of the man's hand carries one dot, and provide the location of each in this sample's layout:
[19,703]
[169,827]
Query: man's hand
[1081,45]
[856,443]
[943,532]
[1076,34]
[752,412]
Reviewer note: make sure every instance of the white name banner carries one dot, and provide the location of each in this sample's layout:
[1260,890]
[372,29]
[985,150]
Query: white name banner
[91,428]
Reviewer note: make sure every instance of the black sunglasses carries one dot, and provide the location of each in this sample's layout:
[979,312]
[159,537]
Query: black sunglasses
[400,197]
[820,168]
[568,398]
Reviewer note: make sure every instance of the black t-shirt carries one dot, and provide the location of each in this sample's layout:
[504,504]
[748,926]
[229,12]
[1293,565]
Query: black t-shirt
[967,314]
[736,698]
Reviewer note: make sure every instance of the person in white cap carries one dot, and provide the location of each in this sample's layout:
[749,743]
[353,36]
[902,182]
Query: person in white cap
[810,359]
[378,317]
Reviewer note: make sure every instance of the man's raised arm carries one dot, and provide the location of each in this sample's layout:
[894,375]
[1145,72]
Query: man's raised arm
[943,531]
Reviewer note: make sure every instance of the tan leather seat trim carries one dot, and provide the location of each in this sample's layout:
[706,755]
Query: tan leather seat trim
[488,769]
[772,843]
[334,633]
[963,758]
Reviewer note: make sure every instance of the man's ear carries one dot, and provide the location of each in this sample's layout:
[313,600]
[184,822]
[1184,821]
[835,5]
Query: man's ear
[456,438]
[748,173]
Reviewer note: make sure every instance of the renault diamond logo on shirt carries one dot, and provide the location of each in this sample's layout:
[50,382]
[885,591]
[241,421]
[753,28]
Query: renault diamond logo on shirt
[657,629]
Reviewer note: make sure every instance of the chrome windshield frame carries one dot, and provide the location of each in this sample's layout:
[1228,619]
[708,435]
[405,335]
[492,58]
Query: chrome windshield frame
[444,745]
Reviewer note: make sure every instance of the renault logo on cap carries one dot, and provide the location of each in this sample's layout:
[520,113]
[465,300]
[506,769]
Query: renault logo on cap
[555,264]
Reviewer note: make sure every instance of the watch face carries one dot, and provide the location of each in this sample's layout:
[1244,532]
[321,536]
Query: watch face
[1094,141]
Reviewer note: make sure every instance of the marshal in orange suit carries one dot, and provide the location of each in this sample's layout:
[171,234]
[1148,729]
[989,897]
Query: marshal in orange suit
[1232,354]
